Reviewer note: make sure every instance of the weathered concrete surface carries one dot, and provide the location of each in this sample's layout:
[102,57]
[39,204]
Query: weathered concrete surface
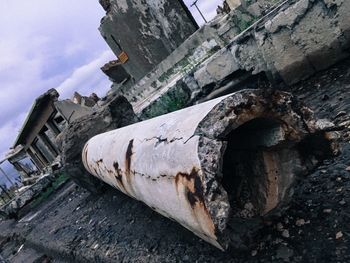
[195,164]
[292,42]
[296,40]
[114,114]
[148,31]
[71,111]
[210,38]
[115,71]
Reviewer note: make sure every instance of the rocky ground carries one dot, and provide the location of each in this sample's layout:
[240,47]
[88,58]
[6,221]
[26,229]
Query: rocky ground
[75,226]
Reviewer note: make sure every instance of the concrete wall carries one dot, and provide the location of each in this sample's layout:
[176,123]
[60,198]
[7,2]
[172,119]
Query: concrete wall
[210,38]
[292,42]
[148,31]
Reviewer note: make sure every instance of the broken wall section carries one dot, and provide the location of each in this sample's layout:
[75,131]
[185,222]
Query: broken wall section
[145,33]
[292,42]
[205,42]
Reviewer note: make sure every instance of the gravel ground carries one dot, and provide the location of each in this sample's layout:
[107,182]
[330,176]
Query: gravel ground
[75,226]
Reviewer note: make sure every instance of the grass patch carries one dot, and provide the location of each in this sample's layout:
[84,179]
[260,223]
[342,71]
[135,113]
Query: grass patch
[61,179]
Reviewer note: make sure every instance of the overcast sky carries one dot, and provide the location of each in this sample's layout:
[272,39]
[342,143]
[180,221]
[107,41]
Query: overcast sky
[52,44]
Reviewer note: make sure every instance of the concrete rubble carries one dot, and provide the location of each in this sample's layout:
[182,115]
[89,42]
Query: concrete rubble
[14,206]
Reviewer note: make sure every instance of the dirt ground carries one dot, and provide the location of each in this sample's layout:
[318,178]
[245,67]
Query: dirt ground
[76,226]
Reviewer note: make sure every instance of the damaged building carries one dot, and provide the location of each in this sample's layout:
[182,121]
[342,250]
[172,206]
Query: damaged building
[36,147]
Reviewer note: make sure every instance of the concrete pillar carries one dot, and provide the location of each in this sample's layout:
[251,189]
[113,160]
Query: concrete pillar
[48,143]
[53,127]
[233,4]
[49,156]
[20,169]
[39,165]
[39,154]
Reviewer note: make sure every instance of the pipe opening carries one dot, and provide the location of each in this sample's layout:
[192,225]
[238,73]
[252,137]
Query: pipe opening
[258,167]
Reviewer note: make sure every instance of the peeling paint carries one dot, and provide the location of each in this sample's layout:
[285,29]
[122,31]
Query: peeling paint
[191,178]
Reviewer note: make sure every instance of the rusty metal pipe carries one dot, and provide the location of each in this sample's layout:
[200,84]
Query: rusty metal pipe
[234,157]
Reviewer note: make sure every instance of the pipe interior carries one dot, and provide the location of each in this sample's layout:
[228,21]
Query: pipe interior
[257,167]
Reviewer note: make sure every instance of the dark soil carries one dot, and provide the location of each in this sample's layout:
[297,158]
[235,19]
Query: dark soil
[77,226]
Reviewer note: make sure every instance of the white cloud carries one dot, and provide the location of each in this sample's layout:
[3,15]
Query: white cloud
[87,78]
[9,132]
[42,44]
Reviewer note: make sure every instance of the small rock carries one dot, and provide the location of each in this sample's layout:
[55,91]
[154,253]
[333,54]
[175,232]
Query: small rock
[300,222]
[327,211]
[344,124]
[284,253]
[325,97]
[95,246]
[254,253]
[347,169]
[339,235]
[285,233]
[342,202]
[340,114]
[279,227]
[323,171]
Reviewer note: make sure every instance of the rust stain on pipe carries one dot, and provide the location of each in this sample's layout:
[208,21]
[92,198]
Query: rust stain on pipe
[198,164]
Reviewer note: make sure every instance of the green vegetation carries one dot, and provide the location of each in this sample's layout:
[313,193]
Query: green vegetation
[59,181]
[175,99]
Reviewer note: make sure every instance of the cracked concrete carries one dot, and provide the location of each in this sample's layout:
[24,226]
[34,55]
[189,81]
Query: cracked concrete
[196,161]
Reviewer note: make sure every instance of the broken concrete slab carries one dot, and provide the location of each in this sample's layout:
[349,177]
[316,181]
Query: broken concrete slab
[115,71]
[297,39]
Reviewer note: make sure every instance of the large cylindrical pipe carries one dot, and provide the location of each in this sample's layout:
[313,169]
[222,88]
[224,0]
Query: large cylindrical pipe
[233,157]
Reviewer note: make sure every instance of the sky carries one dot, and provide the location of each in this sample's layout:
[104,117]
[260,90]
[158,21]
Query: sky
[53,44]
